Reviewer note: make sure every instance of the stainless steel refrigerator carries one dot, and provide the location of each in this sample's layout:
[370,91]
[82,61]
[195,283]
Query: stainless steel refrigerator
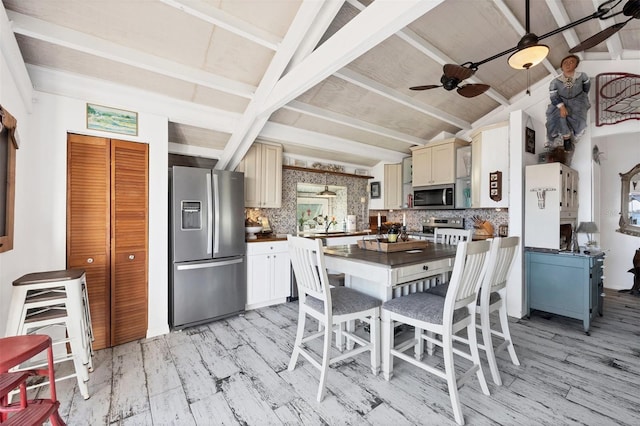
[207,245]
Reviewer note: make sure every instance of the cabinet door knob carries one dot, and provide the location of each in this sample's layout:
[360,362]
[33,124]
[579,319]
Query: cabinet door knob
[90,260]
[132,256]
[425,267]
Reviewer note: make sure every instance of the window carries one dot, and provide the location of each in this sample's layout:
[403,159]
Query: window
[8,146]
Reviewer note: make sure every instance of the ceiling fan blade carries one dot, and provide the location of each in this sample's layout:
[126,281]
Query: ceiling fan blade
[427,87]
[457,71]
[598,38]
[472,90]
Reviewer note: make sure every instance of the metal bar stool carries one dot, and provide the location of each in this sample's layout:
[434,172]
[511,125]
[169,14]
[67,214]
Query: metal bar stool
[15,351]
[56,299]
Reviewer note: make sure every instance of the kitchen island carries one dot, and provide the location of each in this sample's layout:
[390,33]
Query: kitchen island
[388,275]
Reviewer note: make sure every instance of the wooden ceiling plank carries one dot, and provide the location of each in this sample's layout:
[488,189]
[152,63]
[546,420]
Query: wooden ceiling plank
[396,96]
[42,30]
[373,25]
[224,20]
[254,118]
[352,122]
[281,132]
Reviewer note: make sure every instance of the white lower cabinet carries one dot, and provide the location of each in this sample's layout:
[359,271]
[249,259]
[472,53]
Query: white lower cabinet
[268,274]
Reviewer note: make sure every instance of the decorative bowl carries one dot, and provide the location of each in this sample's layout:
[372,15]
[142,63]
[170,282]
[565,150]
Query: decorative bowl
[251,231]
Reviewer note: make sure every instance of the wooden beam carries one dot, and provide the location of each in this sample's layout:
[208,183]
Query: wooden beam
[279,132]
[61,36]
[373,25]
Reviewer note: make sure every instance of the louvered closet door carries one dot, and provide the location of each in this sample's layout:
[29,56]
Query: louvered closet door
[129,233]
[88,209]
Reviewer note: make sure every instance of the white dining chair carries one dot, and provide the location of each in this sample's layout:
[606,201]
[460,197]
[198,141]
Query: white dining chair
[493,296]
[331,307]
[451,236]
[444,317]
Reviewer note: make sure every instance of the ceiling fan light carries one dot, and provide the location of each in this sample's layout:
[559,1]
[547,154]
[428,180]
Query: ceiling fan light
[528,57]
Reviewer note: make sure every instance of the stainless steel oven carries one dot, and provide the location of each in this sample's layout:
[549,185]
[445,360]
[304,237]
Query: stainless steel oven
[429,224]
[434,197]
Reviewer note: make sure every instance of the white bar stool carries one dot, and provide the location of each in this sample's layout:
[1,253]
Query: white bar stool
[47,300]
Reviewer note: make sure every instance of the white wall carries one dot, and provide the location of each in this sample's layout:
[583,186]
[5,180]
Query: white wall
[621,154]
[40,228]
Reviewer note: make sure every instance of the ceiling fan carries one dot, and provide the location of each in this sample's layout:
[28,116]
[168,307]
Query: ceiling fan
[451,78]
[453,74]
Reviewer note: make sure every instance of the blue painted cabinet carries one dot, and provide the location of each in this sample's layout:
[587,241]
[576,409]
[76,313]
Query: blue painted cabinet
[568,284]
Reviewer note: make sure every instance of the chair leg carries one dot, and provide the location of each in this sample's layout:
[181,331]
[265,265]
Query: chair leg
[487,342]
[475,355]
[450,373]
[296,346]
[418,349]
[328,335]
[387,345]
[374,339]
[504,325]
[340,337]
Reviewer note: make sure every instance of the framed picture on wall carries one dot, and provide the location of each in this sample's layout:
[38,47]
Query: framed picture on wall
[530,140]
[375,190]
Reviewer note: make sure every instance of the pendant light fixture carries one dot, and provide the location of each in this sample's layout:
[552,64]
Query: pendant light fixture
[530,53]
[326,193]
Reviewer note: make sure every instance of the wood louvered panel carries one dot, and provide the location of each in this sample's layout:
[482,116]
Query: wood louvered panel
[88,207]
[129,231]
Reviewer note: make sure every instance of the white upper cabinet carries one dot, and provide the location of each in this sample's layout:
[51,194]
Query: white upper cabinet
[262,168]
[392,186]
[435,163]
[490,167]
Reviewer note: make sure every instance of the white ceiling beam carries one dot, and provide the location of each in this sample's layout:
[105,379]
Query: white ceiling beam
[42,30]
[94,90]
[396,96]
[344,120]
[511,18]
[224,20]
[429,50]
[281,132]
[373,25]
[614,44]
[253,119]
[562,18]
[319,26]
[13,58]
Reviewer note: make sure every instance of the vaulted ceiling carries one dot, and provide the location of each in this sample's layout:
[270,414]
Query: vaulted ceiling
[328,80]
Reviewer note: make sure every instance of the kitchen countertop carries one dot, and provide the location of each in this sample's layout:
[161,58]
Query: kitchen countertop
[393,259]
[283,237]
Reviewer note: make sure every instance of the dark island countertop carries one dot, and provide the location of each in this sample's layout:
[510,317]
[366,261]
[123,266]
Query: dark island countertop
[393,259]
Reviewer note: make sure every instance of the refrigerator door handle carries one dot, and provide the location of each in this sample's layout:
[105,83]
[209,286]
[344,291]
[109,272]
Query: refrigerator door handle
[209,264]
[216,214]
[209,215]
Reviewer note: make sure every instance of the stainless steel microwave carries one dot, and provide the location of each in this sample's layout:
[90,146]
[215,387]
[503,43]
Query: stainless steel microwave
[434,197]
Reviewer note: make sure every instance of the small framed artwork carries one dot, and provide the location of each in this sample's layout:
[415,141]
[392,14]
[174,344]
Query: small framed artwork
[375,189]
[530,140]
[112,120]
[495,185]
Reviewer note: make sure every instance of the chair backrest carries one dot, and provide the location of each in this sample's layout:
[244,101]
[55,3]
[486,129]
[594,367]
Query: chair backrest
[501,260]
[307,259]
[451,236]
[469,268]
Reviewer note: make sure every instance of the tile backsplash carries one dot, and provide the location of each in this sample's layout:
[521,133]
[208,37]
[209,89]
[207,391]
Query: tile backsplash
[283,220]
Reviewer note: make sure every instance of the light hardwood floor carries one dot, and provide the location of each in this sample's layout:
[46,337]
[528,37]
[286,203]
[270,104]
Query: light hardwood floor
[234,371]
